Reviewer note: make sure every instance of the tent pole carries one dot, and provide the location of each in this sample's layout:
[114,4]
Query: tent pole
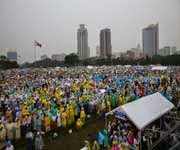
[34,52]
[140,143]
[160,125]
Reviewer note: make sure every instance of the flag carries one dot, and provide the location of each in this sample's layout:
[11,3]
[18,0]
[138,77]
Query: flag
[37,44]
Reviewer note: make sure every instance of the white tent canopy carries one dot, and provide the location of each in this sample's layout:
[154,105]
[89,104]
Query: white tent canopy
[159,68]
[90,67]
[147,109]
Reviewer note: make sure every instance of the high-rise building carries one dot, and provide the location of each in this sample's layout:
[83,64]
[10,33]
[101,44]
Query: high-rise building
[150,39]
[105,43]
[82,42]
[12,56]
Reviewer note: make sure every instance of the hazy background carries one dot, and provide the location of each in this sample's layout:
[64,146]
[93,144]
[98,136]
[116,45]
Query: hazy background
[54,23]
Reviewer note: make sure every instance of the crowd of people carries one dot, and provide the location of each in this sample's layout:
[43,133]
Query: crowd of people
[122,131]
[34,102]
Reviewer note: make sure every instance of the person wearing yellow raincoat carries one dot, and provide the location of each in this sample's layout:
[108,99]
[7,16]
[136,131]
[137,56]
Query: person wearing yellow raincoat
[74,86]
[121,100]
[25,110]
[42,92]
[102,106]
[78,124]
[80,99]
[122,147]
[82,116]
[30,101]
[108,105]
[61,108]
[47,123]
[57,95]
[86,85]
[107,98]
[71,112]
[68,115]
[64,118]
[95,146]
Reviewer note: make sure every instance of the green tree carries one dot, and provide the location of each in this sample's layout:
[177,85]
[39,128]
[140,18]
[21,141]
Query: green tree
[71,59]
[5,64]
[2,57]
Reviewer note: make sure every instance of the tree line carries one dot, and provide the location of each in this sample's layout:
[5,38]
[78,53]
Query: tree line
[6,64]
[73,60]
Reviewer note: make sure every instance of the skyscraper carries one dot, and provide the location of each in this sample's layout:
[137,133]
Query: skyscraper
[150,39]
[105,43]
[82,42]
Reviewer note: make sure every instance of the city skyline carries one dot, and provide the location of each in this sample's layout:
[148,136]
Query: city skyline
[54,24]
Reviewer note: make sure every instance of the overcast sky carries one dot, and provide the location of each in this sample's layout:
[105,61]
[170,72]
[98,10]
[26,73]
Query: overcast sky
[54,23]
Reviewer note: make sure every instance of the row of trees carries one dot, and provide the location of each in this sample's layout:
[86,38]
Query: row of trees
[73,60]
[43,64]
[6,64]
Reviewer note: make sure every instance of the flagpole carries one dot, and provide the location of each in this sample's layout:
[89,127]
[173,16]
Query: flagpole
[34,52]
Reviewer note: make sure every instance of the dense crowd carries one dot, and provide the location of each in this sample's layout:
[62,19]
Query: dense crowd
[40,101]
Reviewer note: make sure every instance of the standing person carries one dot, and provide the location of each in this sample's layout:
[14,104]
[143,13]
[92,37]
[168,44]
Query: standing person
[108,105]
[17,129]
[113,100]
[39,123]
[29,121]
[9,146]
[58,120]
[78,124]
[34,121]
[82,116]
[47,123]
[71,112]
[64,118]
[39,143]
[9,130]
[24,125]
[9,114]
[95,145]
[87,145]
[115,146]
[29,138]
[2,133]
[54,123]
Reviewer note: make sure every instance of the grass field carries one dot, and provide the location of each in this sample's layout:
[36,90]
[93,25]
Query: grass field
[73,141]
